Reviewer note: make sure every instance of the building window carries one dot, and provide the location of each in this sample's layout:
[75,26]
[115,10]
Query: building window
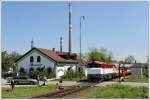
[38,59]
[31,59]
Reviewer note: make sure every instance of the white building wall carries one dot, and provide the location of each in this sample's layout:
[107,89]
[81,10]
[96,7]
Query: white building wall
[26,64]
[61,69]
[73,67]
[84,70]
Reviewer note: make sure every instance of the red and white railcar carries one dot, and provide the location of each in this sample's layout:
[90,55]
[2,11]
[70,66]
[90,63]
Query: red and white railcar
[100,70]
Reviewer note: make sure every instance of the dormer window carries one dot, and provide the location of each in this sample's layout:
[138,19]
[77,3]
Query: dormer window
[31,59]
[38,59]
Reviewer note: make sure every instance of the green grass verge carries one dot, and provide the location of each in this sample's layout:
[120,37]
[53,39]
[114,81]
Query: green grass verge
[129,78]
[27,92]
[116,91]
[132,79]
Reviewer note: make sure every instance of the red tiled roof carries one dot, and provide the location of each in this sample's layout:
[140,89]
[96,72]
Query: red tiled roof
[51,54]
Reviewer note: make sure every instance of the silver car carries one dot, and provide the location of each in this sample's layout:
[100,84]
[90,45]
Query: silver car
[22,80]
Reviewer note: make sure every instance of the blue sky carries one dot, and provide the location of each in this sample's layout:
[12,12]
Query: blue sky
[120,27]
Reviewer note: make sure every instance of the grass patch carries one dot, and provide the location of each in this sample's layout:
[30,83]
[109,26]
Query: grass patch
[27,92]
[129,78]
[132,79]
[116,91]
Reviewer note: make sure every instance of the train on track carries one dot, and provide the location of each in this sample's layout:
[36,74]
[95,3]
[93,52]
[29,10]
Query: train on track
[102,71]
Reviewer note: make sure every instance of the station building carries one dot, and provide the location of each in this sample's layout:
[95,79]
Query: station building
[39,58]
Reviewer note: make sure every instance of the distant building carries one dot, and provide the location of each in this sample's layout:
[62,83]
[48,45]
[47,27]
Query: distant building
[137,70]
[49,60]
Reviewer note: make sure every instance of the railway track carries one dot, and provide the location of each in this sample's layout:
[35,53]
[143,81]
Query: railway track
[67,91]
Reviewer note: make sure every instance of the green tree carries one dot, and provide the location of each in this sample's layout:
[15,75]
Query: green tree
[130,59]
[8,60]
[95,54]
[100,55]
[5,61]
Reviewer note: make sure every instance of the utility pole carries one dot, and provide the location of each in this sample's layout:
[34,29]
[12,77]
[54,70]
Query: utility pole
[82,17]
[70,30]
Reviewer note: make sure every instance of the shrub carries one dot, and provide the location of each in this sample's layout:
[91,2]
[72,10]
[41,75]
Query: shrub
[38,69]
[146,73]
[35,73]
[70,74]
[51,75]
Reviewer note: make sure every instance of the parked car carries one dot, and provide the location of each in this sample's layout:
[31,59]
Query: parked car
[22,80]
[8,74]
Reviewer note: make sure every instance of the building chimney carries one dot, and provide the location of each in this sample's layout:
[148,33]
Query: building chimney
[70,29]
[53,49]
[61,44]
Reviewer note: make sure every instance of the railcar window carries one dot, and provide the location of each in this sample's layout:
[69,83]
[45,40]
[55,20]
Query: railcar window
[93,66]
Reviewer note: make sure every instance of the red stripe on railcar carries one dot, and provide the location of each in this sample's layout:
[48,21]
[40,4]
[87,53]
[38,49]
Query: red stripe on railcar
[105,65]
[108,66]
[121,74]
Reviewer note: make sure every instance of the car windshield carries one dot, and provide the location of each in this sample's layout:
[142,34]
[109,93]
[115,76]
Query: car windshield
[92,65]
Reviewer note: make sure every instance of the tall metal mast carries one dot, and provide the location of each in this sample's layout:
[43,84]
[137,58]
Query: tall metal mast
[61,44]
[70,29]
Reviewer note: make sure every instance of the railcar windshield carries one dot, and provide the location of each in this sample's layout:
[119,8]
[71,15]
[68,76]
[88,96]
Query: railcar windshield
[93,65]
